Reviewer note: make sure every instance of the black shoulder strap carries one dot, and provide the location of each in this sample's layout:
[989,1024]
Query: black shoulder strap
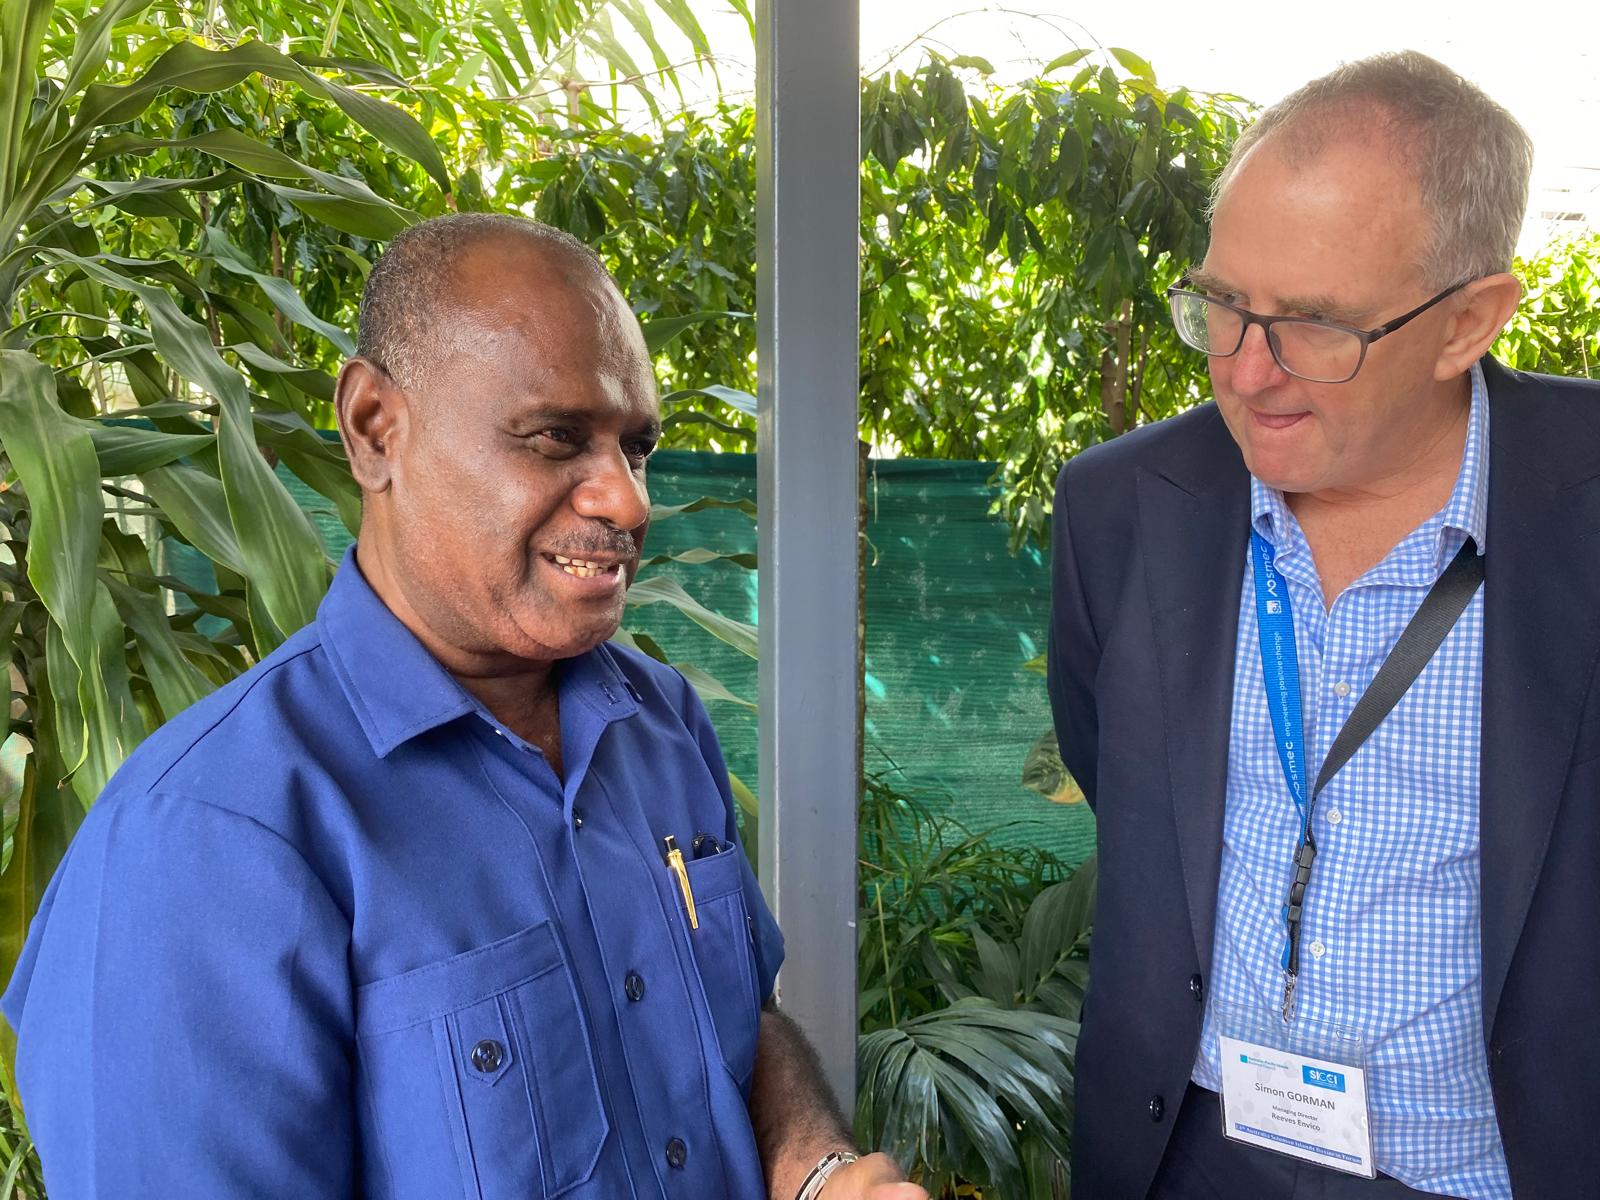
[1441,609]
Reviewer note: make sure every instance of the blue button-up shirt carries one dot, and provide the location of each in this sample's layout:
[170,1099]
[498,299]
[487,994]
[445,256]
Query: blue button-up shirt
[1389,941]
[335,931]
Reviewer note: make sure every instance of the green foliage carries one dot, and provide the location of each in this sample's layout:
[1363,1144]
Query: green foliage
[1556,329]
[1014,243]
[971,969]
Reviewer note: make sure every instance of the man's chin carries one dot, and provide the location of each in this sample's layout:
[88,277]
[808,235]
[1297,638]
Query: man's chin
[571,641]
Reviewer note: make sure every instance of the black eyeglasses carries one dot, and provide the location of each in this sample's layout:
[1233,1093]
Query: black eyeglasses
[1309,349]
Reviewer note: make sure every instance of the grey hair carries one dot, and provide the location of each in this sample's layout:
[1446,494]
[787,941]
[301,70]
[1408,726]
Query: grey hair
[1470,157]
[403,327]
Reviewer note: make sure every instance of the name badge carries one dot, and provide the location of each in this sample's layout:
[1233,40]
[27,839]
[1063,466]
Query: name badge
[1296,1091]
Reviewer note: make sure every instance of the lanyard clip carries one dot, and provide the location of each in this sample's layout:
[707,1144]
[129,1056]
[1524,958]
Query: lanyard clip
[1289,980]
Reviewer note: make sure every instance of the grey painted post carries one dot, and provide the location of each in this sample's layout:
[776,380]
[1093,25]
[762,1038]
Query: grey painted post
[808,195]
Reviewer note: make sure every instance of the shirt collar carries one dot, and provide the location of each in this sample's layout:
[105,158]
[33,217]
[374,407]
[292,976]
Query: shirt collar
[1466,512]
[399,691]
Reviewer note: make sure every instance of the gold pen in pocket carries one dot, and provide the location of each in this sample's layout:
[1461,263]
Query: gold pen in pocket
[675,865]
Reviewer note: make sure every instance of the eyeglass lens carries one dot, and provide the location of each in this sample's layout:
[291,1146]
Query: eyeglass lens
[1312,350]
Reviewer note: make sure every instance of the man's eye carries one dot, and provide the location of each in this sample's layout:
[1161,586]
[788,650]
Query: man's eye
[558,443]
[639,449]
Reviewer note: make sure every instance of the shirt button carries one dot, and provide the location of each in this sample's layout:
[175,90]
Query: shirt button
[1341,689]
[1318,949]
[1195,988]
[1158,1108]
[677,1154]
[487,1056]
[1334,816]
[577,818]
[633,986]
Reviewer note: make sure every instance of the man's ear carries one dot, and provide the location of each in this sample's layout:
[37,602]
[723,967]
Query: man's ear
[1481,312]
[373,421]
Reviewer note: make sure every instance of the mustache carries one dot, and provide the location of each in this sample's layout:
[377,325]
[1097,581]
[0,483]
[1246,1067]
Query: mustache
[612,543]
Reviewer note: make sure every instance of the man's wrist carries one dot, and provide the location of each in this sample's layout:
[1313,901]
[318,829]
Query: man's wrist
[811,1187]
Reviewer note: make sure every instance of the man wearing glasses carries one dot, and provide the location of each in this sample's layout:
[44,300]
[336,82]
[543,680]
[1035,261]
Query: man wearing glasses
[1324,660]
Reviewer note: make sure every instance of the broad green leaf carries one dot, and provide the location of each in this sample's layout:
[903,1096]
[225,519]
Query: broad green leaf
[658,589]
[1070,58]
[745,437]
[710,688]
[53,455]
[661,330]
[194,504]
[732,397]
[308,379]
[374,219]
[22,28]
[132,450]
[177,682]
[660,512]
[92,41]
[699,555]
[1134,65]
[280,291]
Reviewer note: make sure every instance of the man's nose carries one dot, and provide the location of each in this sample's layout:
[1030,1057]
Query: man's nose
[1254,367]
[612,492]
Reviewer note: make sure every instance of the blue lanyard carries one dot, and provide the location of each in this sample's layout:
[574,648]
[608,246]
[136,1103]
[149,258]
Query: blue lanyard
[1446,600]
[1280,669]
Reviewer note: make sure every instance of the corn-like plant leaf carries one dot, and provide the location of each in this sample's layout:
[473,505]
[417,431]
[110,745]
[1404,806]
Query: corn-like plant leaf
[133,450]
[699,556]
[54,457]
[53,454]
[92,40]
[658,589]
[195,69]
[284,559]
[280,291]
[192,502]
[22,28]
[709,687]
[660,512]
[176,681]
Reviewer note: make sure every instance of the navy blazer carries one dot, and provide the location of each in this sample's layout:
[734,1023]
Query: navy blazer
[1150,532]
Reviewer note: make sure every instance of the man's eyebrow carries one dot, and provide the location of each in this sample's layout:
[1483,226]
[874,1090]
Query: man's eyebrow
[539,414]
[1323,306]
[651,429]
[1207,282]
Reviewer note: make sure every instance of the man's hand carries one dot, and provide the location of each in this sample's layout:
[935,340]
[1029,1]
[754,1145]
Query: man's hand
[797,1121]
[875,1177]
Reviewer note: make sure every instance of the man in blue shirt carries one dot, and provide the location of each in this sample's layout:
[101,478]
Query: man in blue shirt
[446,896]
[1349,865]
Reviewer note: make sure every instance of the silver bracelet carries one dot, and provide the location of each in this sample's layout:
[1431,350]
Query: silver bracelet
[817,1180]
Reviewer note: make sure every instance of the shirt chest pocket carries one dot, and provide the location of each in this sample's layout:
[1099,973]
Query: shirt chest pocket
[477,1076]
[724,952]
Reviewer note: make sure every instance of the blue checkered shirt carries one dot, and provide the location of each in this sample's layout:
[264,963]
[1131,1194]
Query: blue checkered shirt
[1389,942]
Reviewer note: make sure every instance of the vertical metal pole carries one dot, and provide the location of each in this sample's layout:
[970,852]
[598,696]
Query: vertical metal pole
[808,196]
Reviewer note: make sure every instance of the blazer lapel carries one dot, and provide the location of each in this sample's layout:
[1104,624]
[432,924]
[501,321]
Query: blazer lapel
[1541,636]
[1194,521]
